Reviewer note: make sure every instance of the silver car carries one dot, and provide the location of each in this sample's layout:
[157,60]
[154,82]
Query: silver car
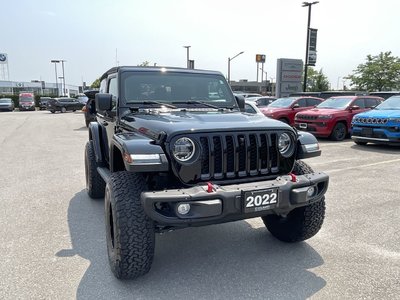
[6,104]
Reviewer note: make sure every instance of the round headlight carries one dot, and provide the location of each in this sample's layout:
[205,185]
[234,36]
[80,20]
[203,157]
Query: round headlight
[285,145]
[183,149]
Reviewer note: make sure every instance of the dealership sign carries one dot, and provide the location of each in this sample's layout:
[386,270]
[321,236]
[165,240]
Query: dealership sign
[289,74]
[3,58]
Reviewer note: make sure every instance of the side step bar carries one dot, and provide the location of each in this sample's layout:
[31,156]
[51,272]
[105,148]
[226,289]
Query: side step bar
[104,173]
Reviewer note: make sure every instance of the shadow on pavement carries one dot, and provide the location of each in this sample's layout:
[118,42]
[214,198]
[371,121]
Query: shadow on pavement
[387,149]
[224,261]
[83,128]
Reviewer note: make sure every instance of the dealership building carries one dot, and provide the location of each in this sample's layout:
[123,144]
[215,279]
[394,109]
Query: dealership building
[39,88]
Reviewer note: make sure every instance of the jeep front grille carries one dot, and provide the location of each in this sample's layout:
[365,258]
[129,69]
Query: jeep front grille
[238,155]
[306,117]
[225,156]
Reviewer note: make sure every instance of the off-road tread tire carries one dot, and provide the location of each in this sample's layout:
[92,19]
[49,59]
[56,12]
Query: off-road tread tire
[333,135]
[95,185]
[301,223]
[134,238]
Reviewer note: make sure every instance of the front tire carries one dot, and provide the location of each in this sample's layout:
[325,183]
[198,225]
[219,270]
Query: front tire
[95,185]
[301,223]
[129,232]
[339,132]
[63,110]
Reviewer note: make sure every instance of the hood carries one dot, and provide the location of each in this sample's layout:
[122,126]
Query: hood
[272,110]
[321,111]
[375,113]
[175,122]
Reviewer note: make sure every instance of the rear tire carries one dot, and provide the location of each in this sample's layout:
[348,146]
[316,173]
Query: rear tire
[129,232]
[301,223]
[95,185]
[63,110]
[339,132]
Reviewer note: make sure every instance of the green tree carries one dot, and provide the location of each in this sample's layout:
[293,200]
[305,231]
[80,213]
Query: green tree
[316,80]
[378,73]
[95,84]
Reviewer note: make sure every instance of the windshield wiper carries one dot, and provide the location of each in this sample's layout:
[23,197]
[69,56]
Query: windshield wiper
[154,103]
[196,102]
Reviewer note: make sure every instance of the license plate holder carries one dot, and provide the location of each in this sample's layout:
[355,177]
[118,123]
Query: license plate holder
[259,200]
[368,132]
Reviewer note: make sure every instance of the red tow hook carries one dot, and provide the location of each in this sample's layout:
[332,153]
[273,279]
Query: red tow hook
[293,177]
[210,187]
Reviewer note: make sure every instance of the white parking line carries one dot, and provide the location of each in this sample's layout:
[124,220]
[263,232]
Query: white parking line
[363,166]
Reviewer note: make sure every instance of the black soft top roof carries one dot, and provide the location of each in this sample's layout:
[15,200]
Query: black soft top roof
[156,69]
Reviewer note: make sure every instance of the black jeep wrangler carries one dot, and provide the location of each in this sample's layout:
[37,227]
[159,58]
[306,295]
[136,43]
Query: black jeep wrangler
[172,148]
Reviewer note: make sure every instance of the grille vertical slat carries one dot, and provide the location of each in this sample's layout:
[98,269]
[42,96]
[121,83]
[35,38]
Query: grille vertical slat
[254,155]
[242,149]
[230,156]
[205,162]
[217,157]
[273,152]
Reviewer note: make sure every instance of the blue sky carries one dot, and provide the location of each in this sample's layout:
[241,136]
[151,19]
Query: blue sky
[87,33]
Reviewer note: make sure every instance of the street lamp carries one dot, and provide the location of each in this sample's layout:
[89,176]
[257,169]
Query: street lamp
[229,66]
[307,4]
[187,56]
[55,62]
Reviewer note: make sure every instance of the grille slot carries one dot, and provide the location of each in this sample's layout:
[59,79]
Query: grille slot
[306,117]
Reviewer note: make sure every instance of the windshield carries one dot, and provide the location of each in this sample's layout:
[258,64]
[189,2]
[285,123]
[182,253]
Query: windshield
[392,103]
[26,99]
[5,100]
[168,87]
[282,102]
[335,103]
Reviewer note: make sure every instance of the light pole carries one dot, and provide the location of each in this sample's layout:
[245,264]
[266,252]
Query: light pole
[229,66]
[62,64]
[307,4]
[54,61]
[187,56]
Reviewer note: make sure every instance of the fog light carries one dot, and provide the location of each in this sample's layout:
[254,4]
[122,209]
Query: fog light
[310,191]
[183,208]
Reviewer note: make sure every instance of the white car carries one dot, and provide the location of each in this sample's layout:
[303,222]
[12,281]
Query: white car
[251,108]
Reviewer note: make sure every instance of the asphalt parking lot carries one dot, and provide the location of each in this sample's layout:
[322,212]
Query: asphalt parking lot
[53,242]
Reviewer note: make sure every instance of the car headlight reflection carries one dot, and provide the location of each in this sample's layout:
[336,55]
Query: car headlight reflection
[183,149]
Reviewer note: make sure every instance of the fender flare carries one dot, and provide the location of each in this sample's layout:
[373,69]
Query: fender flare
[307,145]
[95,136]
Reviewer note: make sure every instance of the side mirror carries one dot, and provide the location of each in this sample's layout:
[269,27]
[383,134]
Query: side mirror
[354,107]
[103,102]
[296,105]
[240,102]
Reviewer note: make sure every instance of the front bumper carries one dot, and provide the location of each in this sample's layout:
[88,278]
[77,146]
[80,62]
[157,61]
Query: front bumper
[226,203]
[320,128]
[377,135]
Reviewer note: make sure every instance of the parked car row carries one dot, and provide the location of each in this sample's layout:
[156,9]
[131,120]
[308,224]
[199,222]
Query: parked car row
[368,119]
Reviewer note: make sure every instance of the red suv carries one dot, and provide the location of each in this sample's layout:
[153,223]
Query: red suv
[332,118]
[284,109]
